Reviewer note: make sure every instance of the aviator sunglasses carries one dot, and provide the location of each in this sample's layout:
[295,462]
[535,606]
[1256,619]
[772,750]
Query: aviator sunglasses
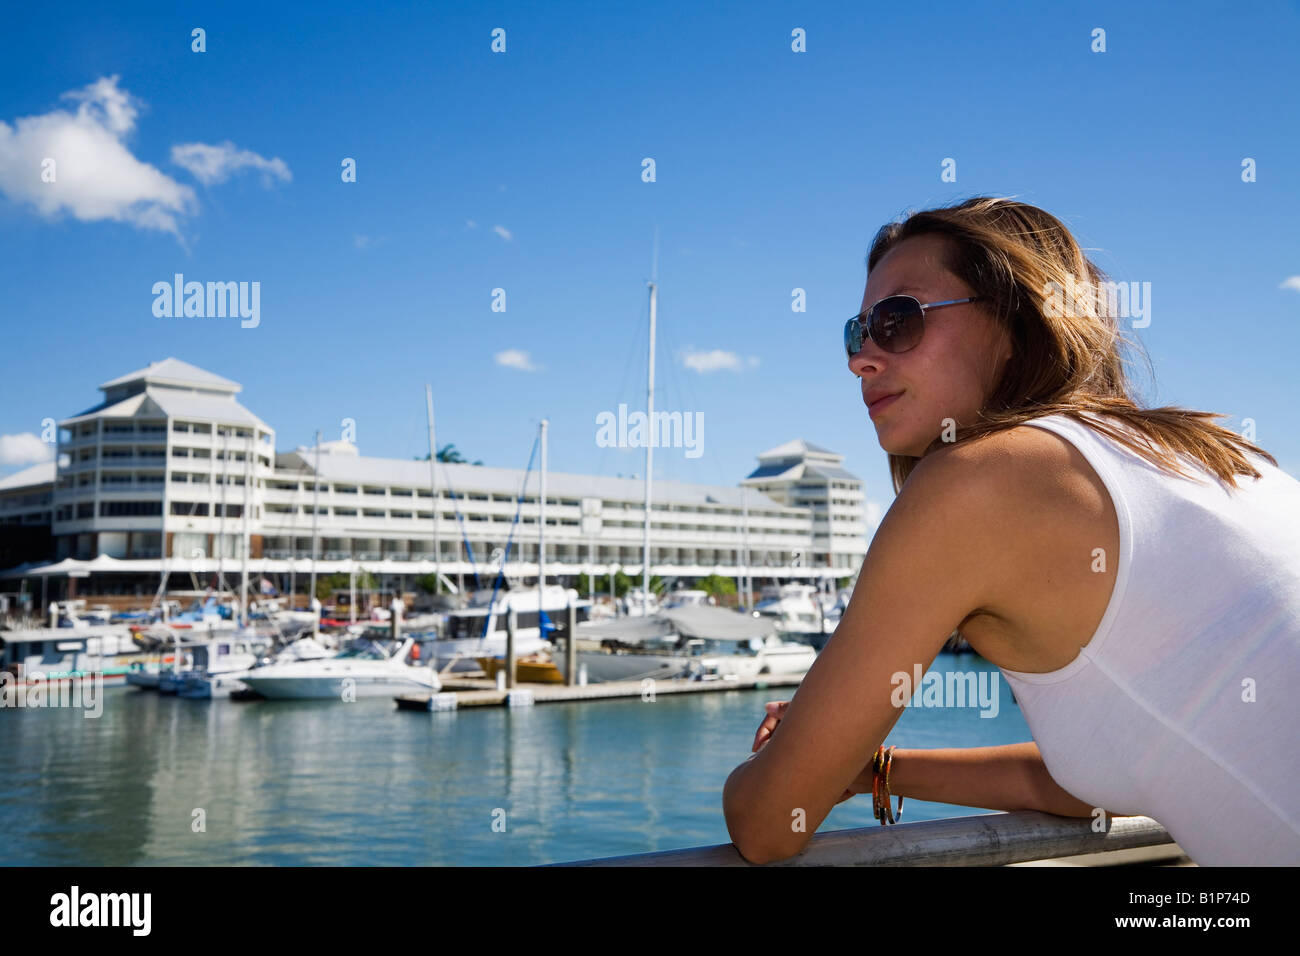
[895,323]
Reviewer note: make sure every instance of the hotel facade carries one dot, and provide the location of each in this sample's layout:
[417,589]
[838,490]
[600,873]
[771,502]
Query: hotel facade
[160,475]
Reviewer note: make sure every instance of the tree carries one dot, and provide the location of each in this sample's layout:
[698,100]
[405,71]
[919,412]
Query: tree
[449,455]
[717,585]
[328,584]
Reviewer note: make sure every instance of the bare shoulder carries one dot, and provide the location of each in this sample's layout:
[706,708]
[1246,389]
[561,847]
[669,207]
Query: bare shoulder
[1044,514]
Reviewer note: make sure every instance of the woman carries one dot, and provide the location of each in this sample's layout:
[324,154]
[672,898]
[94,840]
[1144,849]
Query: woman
[1134,573]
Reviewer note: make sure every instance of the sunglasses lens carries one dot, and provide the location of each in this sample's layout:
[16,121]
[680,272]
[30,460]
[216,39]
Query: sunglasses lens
[852,337]
[897,323]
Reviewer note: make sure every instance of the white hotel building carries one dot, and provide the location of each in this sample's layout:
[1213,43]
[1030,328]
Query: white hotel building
[159,475]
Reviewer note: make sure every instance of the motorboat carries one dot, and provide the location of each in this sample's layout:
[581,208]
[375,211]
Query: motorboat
[627,649]
[633,603]
[367,668]
[696,641]
[93,652]
[219,659]
[798,614]
[687,598]
[479,629]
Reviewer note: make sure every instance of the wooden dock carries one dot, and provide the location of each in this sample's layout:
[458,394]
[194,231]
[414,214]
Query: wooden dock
[469,692]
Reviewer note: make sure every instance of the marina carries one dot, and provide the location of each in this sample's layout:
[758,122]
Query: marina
[303,782]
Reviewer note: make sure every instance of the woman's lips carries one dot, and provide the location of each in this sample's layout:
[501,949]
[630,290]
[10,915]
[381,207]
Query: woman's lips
[881,403]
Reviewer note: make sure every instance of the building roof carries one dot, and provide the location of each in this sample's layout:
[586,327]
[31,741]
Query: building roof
[174,372]
[827,471]
[774,471]
[797,449]
[42,474]
[207,408]
[360,470]
[173,403]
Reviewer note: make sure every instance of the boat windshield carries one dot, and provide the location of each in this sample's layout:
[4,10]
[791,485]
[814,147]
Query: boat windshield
[366,651]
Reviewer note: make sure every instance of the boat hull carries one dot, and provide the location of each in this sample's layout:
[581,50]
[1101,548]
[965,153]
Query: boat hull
[333,687]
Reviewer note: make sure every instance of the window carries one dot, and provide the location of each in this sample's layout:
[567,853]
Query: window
[122,509]
[190,508]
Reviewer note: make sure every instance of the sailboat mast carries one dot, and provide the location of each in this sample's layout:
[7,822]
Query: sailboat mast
[649,456]
[433,492]
[541,539]
[243,568]
[315,508]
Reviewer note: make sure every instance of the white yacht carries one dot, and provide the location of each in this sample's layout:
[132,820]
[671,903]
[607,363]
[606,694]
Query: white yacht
[479,630]
[730,644]
[798,614]
[627,649]
[633,603]
[686,598]
[695,641]
[369,668]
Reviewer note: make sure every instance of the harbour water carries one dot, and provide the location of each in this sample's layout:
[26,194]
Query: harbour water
[305,783]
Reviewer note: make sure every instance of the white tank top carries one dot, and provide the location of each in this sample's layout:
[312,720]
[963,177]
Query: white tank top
[1185,704]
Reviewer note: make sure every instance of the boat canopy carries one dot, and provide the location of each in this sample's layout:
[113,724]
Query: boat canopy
[717,623]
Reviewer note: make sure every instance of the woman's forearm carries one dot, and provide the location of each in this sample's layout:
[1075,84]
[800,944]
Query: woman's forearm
[1010,777]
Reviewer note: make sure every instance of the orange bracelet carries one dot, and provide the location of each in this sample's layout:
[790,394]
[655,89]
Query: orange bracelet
[881,764]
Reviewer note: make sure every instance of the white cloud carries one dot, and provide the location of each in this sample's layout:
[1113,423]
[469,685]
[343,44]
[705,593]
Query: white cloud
[95,176]
[24,449]
[470,223]
[363,242]
[1293,282]
[515,358]
[715,360]
[875,512]
[215,164]
[503,232]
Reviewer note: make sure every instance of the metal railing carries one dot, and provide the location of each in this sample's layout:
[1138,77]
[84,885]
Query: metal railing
[988,839]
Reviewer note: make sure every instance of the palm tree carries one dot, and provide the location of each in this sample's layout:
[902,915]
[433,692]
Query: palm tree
[449,455]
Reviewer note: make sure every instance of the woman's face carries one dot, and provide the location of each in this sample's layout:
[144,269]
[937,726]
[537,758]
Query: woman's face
[953,370]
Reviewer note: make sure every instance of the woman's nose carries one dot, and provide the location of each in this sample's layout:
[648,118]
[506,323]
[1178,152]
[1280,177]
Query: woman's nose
[867,357]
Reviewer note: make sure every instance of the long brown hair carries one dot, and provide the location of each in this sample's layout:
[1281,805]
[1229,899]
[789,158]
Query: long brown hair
[1065,360]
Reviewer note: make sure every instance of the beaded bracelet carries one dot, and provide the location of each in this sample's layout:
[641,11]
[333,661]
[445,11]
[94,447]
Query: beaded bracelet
[881,764]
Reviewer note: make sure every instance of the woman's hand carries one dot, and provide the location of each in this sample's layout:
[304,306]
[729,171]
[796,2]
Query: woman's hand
[775,711]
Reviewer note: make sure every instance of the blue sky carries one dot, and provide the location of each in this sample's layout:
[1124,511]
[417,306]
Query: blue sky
[523,171]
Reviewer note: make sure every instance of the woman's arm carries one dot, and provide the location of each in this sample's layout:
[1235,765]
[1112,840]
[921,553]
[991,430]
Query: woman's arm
[1010,777]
